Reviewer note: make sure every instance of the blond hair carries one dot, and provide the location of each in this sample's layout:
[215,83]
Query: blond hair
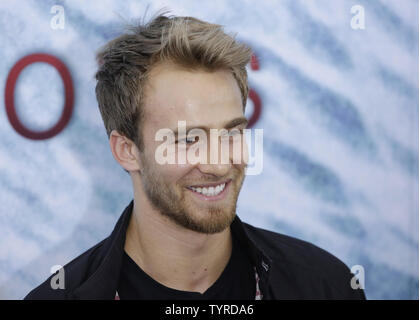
[125,62]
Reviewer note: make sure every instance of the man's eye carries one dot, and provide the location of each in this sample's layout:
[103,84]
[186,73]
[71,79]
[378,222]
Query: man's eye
[235,132]
[188,140]
[191,140]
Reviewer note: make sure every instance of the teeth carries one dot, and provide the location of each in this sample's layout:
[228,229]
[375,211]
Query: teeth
[211,191]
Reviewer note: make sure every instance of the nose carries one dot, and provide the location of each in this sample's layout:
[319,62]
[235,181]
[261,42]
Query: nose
[219,160]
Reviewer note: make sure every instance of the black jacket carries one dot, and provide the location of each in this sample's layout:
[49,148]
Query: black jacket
[288,268]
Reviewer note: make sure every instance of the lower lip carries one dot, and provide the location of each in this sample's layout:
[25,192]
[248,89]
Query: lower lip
[219,196]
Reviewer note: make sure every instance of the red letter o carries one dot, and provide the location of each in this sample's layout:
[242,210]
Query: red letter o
[257,107]
[10,89]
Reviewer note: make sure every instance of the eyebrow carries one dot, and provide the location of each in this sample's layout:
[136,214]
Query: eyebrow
[230,124]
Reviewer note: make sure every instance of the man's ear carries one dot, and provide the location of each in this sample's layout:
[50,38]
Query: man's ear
[124,151]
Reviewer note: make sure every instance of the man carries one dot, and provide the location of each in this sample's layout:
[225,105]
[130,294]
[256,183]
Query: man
[180,237]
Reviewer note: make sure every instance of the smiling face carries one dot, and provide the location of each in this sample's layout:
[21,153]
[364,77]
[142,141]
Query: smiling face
[200,197]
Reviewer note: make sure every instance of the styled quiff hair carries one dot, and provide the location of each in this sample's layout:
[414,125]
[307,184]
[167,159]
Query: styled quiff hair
[125,62]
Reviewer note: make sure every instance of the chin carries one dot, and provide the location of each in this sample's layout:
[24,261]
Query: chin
[210,220]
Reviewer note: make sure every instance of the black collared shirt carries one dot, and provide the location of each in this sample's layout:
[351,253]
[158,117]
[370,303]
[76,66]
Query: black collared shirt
[236,282]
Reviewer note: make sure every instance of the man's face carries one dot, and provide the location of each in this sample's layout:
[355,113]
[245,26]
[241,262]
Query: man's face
[183,192]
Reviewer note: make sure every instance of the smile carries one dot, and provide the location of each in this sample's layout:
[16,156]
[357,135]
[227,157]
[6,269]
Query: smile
[213,191]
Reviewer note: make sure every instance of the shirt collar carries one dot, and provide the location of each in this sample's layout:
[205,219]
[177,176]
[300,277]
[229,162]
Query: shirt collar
[102,282]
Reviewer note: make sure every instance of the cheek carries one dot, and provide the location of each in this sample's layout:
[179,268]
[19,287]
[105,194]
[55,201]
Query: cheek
[239,151]
[245,152]
[173,173]
[168,171]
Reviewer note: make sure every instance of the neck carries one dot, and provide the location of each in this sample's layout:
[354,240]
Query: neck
[172,255]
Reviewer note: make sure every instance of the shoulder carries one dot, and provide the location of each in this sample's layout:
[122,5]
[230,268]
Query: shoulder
[73,273]
[292,250]
[304,260]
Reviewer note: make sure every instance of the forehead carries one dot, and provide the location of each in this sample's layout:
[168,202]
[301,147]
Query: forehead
[200,97]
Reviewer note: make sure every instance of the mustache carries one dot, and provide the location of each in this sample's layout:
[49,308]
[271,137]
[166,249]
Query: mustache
[215,180]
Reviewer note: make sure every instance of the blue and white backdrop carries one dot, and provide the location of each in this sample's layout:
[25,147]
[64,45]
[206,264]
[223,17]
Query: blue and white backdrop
[339,94]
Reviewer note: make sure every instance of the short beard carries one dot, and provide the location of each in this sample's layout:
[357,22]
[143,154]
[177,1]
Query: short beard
[165,200]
